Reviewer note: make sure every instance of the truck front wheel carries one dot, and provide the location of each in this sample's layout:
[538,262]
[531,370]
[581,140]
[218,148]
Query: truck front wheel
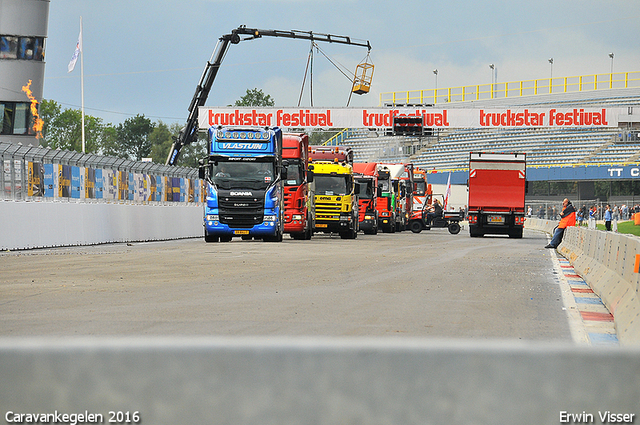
[210,238]
[416,226]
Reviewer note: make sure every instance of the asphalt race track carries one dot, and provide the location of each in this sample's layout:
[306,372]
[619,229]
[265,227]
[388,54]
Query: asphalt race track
[430,284]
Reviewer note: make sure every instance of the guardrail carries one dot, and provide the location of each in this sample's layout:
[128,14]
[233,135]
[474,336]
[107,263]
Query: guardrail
[610,264]
[580,83]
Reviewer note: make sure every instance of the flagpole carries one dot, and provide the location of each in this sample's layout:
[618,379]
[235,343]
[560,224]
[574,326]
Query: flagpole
[82,80]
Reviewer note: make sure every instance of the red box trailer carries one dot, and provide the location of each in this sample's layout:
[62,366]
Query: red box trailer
[496,185]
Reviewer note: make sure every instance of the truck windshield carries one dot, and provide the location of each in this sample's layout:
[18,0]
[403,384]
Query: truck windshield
[420,188]
[366,188]
[331,185]
[241,174]
[294,173]
[384,185]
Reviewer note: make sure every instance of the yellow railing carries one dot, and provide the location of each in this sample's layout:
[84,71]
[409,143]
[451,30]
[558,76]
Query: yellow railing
[617,80]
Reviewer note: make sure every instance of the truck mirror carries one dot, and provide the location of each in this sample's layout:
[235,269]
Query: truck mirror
[284,172]
[201,173]
[356,189]
[310,176]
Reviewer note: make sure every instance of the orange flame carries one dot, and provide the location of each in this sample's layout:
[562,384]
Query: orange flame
[37,122]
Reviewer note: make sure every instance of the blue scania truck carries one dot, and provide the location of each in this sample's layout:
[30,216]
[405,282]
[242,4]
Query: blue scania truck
[244,184]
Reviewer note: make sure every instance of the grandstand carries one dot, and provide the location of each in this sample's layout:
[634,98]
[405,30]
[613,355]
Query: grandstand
[551,147]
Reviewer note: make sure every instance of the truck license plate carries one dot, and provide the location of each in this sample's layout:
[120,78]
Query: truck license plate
[496,219]
[321,225]
[241,232]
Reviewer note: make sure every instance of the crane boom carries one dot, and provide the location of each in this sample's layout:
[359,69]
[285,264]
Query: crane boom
[189,133]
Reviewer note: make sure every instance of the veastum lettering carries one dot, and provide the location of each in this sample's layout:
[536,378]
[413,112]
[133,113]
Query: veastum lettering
[301,118]
[385,119]
[535,119]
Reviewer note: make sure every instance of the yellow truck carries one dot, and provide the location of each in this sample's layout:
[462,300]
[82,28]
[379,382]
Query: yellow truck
[335,195]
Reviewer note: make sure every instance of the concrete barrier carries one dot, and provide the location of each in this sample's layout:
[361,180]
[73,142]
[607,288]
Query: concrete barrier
[317,381]
[27,225]
[609,263]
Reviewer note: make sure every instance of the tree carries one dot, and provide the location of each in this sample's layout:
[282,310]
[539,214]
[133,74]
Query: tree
[133,135]
[63,128]
[161,138]
[190,154]
[255,97]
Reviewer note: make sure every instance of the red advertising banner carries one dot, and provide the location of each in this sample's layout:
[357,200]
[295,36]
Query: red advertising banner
[325,118]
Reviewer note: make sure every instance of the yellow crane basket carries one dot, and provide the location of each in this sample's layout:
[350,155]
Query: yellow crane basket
[363,77]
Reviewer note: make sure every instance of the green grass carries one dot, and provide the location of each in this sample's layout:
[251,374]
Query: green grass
[626,227]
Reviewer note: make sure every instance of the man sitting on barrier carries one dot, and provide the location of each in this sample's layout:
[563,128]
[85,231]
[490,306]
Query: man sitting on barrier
[567,219]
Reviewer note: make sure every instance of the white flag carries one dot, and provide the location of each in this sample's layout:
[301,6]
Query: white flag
[72,63]
[447,193]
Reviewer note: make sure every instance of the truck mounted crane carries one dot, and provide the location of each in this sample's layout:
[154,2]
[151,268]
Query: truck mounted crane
[189,133]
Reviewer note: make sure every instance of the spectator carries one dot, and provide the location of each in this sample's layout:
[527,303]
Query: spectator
[567,219]
[616,217]
[592,218]
[607,218]
[580,217]
[585,214]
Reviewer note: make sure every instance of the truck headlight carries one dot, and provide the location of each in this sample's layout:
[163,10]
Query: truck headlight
[368,217]
[345,218]
[270,218]
[213,217]
[297,217]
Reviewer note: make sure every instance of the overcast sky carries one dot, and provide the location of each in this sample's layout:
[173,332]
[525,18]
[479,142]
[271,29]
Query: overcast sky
[146,57]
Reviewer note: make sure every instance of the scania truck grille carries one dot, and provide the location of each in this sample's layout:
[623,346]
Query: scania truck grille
[241,211]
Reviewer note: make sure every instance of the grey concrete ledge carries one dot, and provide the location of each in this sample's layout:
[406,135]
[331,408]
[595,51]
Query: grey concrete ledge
[317,380]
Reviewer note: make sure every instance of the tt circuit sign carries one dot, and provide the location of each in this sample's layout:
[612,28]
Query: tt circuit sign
[325,118]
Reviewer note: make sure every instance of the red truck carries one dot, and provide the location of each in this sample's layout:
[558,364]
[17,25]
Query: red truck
[298,211]
[496,193]
[366,176]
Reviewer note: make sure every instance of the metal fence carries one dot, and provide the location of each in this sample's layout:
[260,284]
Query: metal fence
[35,173]
[550,210]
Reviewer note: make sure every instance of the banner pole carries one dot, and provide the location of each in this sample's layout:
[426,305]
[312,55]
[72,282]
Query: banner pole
[82,82]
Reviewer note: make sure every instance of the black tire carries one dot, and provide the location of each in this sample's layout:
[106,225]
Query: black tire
[475,233]
[210,238]
[373,231]
[226,238]
[416,226]
[246,237]
[276,238]
[454,228]
[349,234]
[516,233]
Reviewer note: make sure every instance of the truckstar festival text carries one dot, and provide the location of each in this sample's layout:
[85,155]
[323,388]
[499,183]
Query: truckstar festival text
[380,117]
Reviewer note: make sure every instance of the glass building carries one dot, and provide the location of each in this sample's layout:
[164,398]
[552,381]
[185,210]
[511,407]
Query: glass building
[23,35]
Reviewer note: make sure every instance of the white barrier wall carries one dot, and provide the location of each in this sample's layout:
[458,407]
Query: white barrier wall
[610,264]
[25,225]
[287,381]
